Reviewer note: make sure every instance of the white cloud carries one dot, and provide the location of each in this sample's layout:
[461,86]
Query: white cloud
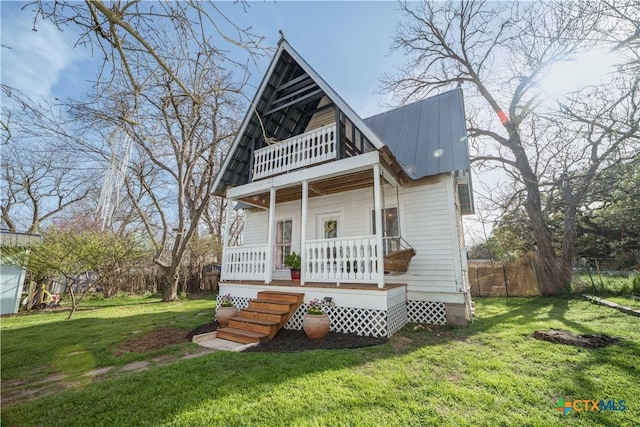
[34,61]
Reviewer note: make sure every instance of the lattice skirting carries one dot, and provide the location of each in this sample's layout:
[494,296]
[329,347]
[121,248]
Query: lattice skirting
[240,302]
[434,313]
[396,318]
[369,322]
[359,321]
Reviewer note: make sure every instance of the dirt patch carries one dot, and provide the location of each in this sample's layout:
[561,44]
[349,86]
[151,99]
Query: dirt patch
[154,341]
[561,336]
[401,344]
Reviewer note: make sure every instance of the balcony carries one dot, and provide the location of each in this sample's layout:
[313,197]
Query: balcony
[310,148]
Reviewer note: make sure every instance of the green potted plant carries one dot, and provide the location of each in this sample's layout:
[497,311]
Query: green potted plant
[225,310]
[316,323]
[293,262]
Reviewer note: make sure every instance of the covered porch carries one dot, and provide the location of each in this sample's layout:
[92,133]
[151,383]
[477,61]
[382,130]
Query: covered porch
[332,259]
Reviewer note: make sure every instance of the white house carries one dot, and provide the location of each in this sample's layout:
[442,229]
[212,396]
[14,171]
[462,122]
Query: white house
[346,193]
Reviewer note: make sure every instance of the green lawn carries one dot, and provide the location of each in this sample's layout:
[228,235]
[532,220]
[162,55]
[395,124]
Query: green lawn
[492,373]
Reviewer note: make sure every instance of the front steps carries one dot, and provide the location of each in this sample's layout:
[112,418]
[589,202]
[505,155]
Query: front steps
[263,318]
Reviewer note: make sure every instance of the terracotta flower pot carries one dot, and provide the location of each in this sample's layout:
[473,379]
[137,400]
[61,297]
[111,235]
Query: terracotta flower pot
[223,314]
[316,326]
[295,274]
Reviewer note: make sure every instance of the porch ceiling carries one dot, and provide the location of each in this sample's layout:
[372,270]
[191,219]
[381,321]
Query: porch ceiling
[323,187]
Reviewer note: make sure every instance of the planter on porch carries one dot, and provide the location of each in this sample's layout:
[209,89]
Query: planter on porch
[316,326]
[293,262]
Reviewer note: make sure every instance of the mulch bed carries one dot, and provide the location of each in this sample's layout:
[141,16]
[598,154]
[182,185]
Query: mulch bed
[288,341]
[561,336]
[285,341]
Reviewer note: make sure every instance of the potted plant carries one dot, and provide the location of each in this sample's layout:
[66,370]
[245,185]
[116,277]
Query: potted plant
[293,262]
[316,323]
[225,310]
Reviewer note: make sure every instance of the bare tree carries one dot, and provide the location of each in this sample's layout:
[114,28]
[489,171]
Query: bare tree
[166,82]
[500,52]
[40,179]
[177,143]
[123,31]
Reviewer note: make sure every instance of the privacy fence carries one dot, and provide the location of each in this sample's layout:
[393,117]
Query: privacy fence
[504,279]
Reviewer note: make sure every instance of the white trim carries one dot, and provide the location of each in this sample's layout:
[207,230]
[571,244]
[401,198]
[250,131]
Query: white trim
[453,226]
[326,170]
[271,235]
[227,223]
[342,297]
[377,195]
[303,229]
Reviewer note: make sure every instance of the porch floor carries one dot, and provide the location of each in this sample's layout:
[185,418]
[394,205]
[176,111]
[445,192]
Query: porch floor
[296,283]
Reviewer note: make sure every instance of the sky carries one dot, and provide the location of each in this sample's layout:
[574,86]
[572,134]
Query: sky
[347,43]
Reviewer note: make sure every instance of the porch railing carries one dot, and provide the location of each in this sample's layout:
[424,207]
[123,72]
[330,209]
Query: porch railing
[244,263]
[316,146]
[348,259]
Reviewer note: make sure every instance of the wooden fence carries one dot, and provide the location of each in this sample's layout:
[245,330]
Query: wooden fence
[508,279]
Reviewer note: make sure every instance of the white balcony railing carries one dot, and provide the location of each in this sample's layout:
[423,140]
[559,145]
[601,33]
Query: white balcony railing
[244,263]
[349,259]
[316,146]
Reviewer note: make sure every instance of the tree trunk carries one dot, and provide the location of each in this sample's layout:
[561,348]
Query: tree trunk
[569,235]
[170,292]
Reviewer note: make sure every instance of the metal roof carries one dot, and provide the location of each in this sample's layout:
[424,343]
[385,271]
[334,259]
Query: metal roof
[427,137]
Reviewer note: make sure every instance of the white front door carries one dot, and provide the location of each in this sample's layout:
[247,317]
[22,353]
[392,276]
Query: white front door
[329,225]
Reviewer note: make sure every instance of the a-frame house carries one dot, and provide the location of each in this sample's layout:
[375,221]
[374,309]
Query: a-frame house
[356,198]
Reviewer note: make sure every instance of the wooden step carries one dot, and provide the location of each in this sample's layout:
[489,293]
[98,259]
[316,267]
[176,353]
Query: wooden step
[262,314]
[254,325]
[263,318]
[238,335]
[282,306]
[281,296]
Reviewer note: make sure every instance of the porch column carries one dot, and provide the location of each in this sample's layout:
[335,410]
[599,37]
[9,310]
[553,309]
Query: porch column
[226,239]
[271,235]
[227,223]
[303,230]
[377,200]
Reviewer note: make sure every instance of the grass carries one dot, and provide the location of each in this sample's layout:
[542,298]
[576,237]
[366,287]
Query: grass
[40,344]
[492,373]
[604,284]
[626,301]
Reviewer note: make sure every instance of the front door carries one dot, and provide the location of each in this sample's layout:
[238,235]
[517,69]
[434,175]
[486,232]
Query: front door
[329,225]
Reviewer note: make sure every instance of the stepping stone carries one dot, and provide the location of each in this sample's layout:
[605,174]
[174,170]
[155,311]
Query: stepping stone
[54,377]
[225,345]
[97,372]
[140,365]
[194,355]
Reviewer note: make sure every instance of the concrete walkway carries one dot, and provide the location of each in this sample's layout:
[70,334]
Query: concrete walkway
[210,341]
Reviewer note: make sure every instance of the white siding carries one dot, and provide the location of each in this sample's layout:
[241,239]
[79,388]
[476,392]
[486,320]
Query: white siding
[430,227]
